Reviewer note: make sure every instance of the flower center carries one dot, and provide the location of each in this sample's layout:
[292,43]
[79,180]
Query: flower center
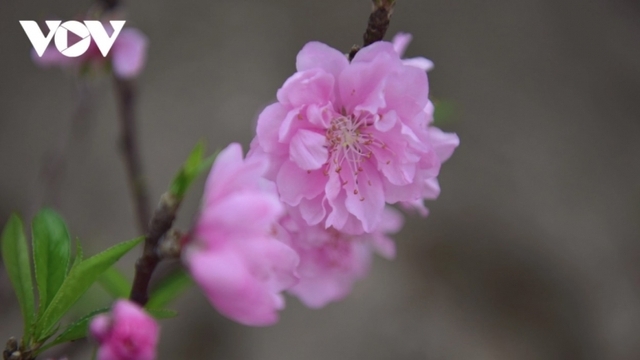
[349,143]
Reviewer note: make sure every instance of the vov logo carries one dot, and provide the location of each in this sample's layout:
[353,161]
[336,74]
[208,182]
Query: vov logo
[60,31]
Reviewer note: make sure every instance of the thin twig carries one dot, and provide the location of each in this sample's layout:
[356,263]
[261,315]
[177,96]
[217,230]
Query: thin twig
[160,224]
[377,25]
[125,92]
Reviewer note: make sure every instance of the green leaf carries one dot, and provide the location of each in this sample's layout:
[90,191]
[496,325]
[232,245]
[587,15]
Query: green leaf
[51,253]
[116,284]
[74,331]
[169,289]
[191,169]
[15,255]
[80,278]
[161,313]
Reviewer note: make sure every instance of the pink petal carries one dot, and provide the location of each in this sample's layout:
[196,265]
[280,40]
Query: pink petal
[275,259]
[308,150]
[386,121]
[313,210]
[384,246]
[375,50]
[361,85]
[259,211]
[231,289]
[429,109]
[129,53]
[421,63]
[295,183]
[308,87]
[415,206]
[443,143]
[289,125]
[338,215]
[268,124]
[368,203]
[407,92]
[395,193]
[231,173]
[318,55]
[401,42]
[320,116]
[431,189]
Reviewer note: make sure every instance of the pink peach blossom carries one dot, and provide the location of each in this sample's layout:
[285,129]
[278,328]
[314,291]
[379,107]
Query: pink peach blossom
[345,139]
[235,256]
[128,333]
[332,261]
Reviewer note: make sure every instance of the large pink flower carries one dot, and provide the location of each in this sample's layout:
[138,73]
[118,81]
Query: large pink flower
[331,261]
[235,256]
[127,55]
[128,333]
[346,138]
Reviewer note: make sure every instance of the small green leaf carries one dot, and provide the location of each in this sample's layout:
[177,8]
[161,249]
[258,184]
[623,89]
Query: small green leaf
[194,159]
[191,169]
[116,284]
[80,278]
[15,255]
[51,253]
[74,331]
[169,289]
[161,313]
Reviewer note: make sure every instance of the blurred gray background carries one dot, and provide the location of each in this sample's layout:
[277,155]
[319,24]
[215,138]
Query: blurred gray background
[532,250]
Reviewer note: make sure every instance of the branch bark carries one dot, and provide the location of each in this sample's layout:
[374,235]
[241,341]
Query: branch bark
[160,224]
[377,25]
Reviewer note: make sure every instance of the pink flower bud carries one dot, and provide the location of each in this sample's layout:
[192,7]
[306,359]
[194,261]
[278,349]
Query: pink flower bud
[128,333]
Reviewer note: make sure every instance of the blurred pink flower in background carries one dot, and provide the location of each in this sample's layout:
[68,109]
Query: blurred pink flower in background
[127,56]
[128,333]
[332,261]
[344,139]
[234,256]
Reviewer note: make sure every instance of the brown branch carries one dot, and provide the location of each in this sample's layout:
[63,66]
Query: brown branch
[126,94]
[377,25]
[160,224]
[156,227]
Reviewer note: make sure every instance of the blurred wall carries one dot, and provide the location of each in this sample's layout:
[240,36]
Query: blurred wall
[532,250]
